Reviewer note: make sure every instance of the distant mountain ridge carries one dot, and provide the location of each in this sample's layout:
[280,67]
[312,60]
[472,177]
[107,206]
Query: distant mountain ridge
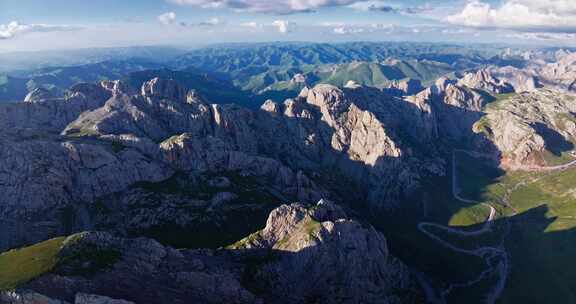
[150,156]
[253,68]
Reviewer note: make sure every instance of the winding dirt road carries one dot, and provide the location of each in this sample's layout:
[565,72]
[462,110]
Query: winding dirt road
[488,253]
[501,268]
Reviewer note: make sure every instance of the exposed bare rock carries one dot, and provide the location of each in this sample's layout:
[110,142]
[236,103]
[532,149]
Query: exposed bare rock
[356,130]
[187,152]
[120,139]
[192,97]
[117,87]
[405,87]
[351,84]
[164,89]
[531,129]
[221,182]
[302,254]
[141,271]
[561,74]
[349,123]
[38,95]
[299,78]
[323,255]
[453,108]
[221,198]
[27,297]
[41,177]
[89,91]
[271,107]
[82,298]
[484,80]
[53,114]
[522,80]
[149,115]
[458,104]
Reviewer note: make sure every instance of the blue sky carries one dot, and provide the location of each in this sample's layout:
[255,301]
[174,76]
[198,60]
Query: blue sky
[59,24]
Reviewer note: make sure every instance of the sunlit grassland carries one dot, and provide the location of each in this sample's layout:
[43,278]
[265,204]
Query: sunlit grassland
[21,265]
[541,208]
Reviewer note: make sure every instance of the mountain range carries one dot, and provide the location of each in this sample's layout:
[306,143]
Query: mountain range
[264,71]
[353,173]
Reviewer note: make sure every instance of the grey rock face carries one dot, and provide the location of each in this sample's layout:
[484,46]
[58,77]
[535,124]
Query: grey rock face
[405,87]
[112,138]
[340,128]
[27,297]
[82,298]
[164,89]
[129,139]
[559,75]
[522,80]
[302,254]
[323,255]
[40,178]
[142,271]
[355,130]
[484,80]
[53,114]
[38,95]
[530,126]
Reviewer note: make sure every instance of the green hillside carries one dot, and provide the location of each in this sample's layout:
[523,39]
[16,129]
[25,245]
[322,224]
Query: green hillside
[539,209]
[58,79]
[21,265]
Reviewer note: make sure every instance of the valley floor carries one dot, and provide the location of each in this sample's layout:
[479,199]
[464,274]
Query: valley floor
[526,237]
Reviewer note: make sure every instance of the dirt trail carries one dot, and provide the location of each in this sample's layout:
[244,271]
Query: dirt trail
[488,253]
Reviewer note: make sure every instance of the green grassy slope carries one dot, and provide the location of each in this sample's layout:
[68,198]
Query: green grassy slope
[21,265]
[542,213]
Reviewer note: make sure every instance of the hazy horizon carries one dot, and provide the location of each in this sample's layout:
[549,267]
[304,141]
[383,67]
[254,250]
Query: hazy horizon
[38,25]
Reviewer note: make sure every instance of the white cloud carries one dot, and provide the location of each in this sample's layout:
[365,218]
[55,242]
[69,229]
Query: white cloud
[167,18]
[532,15]
[385,7]
[544,36]
[372,5]
[342,28]
[283,26]
[15,28]
[332,24]
[348,30]
[214,21]
[170,18]
[254,25]
[267,6]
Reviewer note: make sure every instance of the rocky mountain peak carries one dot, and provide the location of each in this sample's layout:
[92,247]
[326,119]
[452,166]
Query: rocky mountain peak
[304,252]
[521,80]
[38,95]
[405,87]
[192,97]
[271,107]
[351,84]
[561,74]
[164,89]
[442,83]
[327,97]
[117,87]
[299,78]
[327,254]
[484,80]
[90,91]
